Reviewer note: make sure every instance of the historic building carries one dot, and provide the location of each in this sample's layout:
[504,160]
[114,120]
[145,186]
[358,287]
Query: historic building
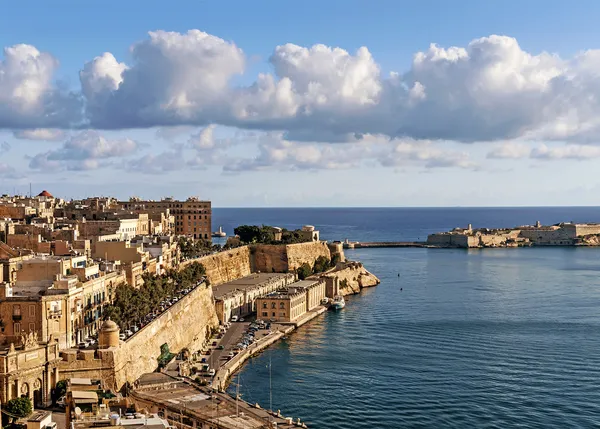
[29,368]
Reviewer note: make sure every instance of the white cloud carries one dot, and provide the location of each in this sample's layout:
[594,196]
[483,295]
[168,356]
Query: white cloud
[8,172]
[571,151]
[175,79]
[425,153]
[48,134]
[5,147]
[489,90]
[83,151]
[509,150]
[28,96]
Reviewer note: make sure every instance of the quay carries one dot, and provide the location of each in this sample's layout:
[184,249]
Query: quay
[229,368]
[372,244]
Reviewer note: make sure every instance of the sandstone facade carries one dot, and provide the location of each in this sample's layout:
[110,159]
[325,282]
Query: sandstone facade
[226,266]
[284,258]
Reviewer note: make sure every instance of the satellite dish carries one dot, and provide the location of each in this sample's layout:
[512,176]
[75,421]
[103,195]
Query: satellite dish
[77,411]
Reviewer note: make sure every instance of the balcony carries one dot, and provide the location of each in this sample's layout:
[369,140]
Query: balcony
[16,317]
[55,314]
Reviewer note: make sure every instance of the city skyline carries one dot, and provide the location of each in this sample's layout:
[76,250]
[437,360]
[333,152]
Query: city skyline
[336,104]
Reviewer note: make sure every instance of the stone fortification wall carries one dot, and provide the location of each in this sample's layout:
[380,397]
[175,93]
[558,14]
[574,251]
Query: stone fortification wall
[225,266]
[269,258]
[452,240]
[298,254]
[284,258]
[94,364]
[353,275]
[185,324]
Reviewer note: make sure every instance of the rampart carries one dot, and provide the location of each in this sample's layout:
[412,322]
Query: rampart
[187,323]
[350,277]
[284,258]
[225,266]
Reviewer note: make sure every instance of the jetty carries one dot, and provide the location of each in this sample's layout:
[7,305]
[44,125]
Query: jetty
[372,244]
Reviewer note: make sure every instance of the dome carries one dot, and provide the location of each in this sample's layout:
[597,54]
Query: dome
[45,193]
[109,326]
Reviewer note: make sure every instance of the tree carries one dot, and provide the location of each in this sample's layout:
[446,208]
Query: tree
[304,271]
[61,388]
[19,407]
[321,264]
[248,233]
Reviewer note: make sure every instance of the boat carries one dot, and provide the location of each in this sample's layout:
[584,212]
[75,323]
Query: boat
[325,301]
[338,302]
[219,233]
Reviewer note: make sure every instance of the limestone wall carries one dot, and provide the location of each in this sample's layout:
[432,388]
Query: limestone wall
[186,324]
[354,275]
[298,254]
[269,258]
[226,266]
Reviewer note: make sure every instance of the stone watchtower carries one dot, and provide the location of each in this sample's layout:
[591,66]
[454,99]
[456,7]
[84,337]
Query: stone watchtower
[109,335]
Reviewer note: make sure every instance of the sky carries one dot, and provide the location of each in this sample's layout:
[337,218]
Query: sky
[313,104]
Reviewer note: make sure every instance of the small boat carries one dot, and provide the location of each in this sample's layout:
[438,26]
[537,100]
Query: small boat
[219,233]
[338,302]
[325,301]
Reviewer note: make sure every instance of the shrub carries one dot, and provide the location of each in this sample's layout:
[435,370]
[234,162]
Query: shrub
[19,407]
[304,271]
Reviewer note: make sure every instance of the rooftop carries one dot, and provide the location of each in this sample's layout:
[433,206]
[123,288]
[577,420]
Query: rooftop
[247,282]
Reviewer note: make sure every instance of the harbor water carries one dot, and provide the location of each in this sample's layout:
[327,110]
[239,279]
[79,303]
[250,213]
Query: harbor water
[451,338]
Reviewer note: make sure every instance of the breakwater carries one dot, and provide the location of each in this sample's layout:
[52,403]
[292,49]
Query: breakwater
[372,244]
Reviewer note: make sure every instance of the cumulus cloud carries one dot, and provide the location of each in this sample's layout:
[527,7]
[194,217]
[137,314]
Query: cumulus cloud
[5,147]
[174,79]
[40,134]
[29,98]
[489,90]
[8,172]
[509,150]
[83,151]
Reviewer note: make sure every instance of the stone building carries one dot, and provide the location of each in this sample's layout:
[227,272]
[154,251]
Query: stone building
[193,217]
[283,306]
[29,368]
[238,296]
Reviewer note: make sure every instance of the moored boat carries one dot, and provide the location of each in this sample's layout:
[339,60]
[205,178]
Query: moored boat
[338,302]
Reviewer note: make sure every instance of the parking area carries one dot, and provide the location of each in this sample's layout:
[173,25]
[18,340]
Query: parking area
[230,341]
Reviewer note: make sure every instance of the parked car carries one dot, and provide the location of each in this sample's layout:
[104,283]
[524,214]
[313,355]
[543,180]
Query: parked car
[214,343]
[234,318]
[242,319]
[122,336]
[82,345]
[128,333]
[221,347]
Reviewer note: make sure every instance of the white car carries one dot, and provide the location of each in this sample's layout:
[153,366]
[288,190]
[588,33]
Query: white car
[61,402]
[234,318]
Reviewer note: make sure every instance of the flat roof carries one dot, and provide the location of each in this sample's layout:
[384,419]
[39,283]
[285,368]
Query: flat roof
[247,282]
[85,397]
[304,283]
[38,416]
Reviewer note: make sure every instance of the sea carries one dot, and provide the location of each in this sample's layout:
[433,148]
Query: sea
[451,338]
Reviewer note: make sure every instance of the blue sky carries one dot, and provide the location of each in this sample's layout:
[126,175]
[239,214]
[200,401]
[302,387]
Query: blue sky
[224,114]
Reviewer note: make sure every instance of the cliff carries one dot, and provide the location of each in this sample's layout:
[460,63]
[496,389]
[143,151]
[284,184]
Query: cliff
[352,277]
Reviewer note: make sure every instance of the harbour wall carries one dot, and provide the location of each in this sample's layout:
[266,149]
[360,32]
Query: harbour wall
[350,278]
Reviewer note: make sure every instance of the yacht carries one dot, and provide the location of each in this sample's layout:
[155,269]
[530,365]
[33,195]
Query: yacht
[338,302]
[219,233]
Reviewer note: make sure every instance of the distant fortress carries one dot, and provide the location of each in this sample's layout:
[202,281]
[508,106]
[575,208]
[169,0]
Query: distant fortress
[562,234]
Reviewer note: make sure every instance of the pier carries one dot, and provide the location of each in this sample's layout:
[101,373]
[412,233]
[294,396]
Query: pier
[373,244]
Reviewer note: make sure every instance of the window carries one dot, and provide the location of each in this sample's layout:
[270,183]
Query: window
[273,305]
[264,305]
[32,310]
[265,314]
[17,328]
[31,327]
[16,310]
[282,314]
[273,314]
[281,305]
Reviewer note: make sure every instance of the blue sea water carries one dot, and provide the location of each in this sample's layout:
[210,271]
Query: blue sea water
[493,338]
